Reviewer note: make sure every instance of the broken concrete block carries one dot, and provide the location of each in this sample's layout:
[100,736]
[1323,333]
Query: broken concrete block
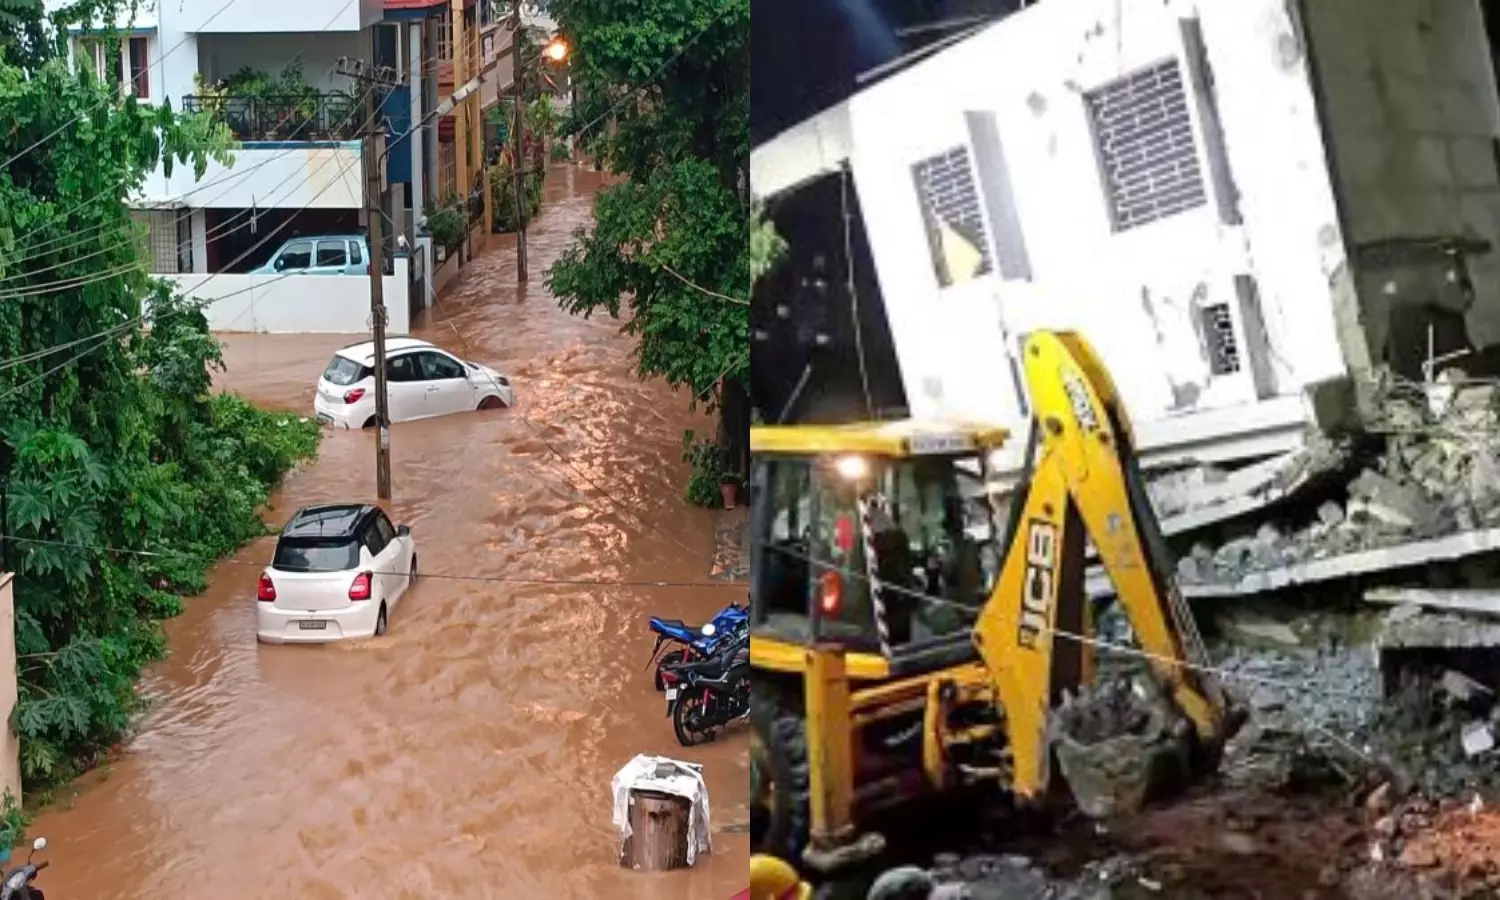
[1478,738]
[1392,502]
[1265,630]
[1330,513]
[1461,687]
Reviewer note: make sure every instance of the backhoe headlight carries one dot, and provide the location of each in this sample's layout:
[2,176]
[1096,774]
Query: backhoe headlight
[852,468]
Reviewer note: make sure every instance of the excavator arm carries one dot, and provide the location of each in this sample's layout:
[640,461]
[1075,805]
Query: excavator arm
[1034,633]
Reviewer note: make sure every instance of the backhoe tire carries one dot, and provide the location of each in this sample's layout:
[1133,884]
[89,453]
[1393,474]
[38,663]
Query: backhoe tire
[782,734]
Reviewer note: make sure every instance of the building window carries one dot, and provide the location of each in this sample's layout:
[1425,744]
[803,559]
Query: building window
[92,54]
[1218,333]
[951,212]
[167,239]
[444,28]
[140,67]
[447,170]
[1147,152]
[185,241]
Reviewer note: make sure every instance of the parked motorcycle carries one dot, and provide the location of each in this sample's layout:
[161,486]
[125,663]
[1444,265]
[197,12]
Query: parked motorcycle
[706,695]
[687,643]
[18,884]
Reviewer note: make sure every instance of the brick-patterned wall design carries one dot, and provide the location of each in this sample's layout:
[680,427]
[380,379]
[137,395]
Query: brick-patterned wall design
[1146,147]
[945,184]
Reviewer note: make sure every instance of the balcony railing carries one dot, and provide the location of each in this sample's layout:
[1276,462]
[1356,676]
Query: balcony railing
[313,117]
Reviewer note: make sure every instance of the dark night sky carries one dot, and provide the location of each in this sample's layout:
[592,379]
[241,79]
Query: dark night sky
[806,53]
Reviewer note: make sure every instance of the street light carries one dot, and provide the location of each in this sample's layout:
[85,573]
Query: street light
[557,50]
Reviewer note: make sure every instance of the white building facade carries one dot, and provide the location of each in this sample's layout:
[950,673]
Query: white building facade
[1236,201]
[298,147]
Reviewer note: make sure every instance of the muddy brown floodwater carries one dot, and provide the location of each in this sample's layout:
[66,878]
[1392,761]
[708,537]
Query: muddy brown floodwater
[467,754]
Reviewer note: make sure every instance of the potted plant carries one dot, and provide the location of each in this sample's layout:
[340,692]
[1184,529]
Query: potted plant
[729,487]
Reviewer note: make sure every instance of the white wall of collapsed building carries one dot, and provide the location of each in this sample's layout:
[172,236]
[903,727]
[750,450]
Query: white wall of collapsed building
[1015,97]
[1266,244]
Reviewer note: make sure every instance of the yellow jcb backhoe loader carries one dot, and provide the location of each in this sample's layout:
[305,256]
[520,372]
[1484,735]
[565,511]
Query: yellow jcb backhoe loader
[905,641]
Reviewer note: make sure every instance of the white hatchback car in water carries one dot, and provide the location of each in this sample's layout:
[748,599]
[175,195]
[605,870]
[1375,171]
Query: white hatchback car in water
[339,571]
[422,380]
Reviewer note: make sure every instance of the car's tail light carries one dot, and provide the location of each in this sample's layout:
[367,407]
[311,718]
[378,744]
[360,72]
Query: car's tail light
[352,396]
[360,589]
[265,591]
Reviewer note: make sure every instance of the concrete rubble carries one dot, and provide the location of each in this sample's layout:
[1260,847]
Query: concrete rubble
[1435,471]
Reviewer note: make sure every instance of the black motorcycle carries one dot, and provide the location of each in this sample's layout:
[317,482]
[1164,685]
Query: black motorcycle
[18,881]
[706,695]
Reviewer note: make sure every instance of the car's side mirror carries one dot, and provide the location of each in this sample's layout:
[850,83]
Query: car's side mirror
[280,264]
[403,531]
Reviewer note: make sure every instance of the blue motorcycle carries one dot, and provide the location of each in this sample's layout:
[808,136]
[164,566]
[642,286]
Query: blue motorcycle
[689,643]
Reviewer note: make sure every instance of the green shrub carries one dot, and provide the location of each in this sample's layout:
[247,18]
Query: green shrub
[447,223]
[708,471]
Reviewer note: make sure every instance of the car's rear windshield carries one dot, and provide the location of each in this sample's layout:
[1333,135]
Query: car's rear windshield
[344,371]
[305,555]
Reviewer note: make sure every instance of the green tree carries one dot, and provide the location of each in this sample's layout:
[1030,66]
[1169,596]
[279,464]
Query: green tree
[668,89]
[121,475]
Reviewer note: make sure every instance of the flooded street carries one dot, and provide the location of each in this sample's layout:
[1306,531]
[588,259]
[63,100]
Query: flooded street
[468,753]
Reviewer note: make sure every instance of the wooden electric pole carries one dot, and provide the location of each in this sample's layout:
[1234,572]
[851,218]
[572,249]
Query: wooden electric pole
[376,77]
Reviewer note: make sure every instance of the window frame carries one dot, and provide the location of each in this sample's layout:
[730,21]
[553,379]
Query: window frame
[339,245]
[369,535]
[287,249]
[139,79]
[390,361]
[463,371]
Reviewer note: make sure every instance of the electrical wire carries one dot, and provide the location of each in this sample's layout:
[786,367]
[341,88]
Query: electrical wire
[70,284]
[198,306]
[415,127]
[651,79]
[234,173]
[421,575]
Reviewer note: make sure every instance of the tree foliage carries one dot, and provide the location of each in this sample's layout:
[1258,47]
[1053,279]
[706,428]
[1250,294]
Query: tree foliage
[122,475]
[766,246]
[668,84]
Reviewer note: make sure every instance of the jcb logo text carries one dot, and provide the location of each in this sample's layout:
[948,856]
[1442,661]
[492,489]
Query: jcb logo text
[1039,587]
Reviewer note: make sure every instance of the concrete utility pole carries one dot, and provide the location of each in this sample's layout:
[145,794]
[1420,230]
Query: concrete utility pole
[521,62]
[376,77]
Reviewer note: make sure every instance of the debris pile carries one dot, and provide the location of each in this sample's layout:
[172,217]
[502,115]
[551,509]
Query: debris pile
[1451,846]
[1437,473]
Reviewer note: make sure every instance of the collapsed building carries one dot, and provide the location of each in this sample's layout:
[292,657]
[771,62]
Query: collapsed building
[1273,219]
[1276,221]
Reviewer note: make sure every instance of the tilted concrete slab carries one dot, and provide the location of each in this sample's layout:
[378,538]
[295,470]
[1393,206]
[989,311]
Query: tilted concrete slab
[1483,601]
[1347,565]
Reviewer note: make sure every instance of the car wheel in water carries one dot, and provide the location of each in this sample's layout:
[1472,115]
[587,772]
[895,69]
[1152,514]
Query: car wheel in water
[412,578]
[380,624]
[369,423]
[492,402]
